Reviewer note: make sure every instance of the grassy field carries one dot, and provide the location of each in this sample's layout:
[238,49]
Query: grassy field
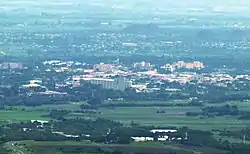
[230,139]
[70,106]
[149,102]
[76,105]
[19,115]
[244,106]
[172,116]
[24,113]
[59,143]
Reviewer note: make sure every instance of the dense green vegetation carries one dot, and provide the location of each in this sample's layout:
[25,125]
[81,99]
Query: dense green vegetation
[101,131]
[67,147]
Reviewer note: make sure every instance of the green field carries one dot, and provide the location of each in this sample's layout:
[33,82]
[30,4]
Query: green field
[172,116]
[149,102]
[19,115]
[57,143]
[25,113]
[70,106]
[244,106]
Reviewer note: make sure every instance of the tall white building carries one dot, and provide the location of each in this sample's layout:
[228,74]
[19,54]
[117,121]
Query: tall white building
[119,83]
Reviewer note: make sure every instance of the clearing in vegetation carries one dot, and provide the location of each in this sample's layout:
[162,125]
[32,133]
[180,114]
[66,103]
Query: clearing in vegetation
[157,116]
[12,116]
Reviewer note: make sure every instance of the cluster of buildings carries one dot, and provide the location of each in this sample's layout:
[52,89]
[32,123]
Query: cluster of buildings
[143,65]
[189,65]
[119,77]
[129,44]
[104,67]
[33,84]
[11,65]
[184,65]
[161,135]
[43,89]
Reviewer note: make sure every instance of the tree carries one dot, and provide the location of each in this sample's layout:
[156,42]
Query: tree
[94,101]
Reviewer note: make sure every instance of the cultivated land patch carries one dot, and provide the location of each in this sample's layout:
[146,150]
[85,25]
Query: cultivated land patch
[149,102]
[153,115]
[172,116]
[244,106]
[70,106]
[12,116]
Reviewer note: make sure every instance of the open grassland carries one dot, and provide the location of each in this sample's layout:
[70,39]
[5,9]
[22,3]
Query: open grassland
[179,102]
[173,116]
[57,143]
[230,139]
[244,106]
[70,106]
[19,115]
[26,113]
[76,105]
[168,116]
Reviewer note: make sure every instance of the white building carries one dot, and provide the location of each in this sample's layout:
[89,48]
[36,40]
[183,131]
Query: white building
[163,131]
[66,135]
[163,138]
[142,139]
[40,121]
[116,84]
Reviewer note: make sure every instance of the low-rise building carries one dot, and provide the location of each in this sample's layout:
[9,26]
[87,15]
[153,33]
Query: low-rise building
[142,139]
[104,67]
[163,131]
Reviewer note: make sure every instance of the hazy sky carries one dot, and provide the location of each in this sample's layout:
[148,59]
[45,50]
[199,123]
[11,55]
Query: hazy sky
[233,6]
[162,3]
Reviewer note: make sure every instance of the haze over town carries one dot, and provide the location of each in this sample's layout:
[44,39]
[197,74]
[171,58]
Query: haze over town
[134,76]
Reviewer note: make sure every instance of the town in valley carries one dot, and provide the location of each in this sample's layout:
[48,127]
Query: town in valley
[124,77]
